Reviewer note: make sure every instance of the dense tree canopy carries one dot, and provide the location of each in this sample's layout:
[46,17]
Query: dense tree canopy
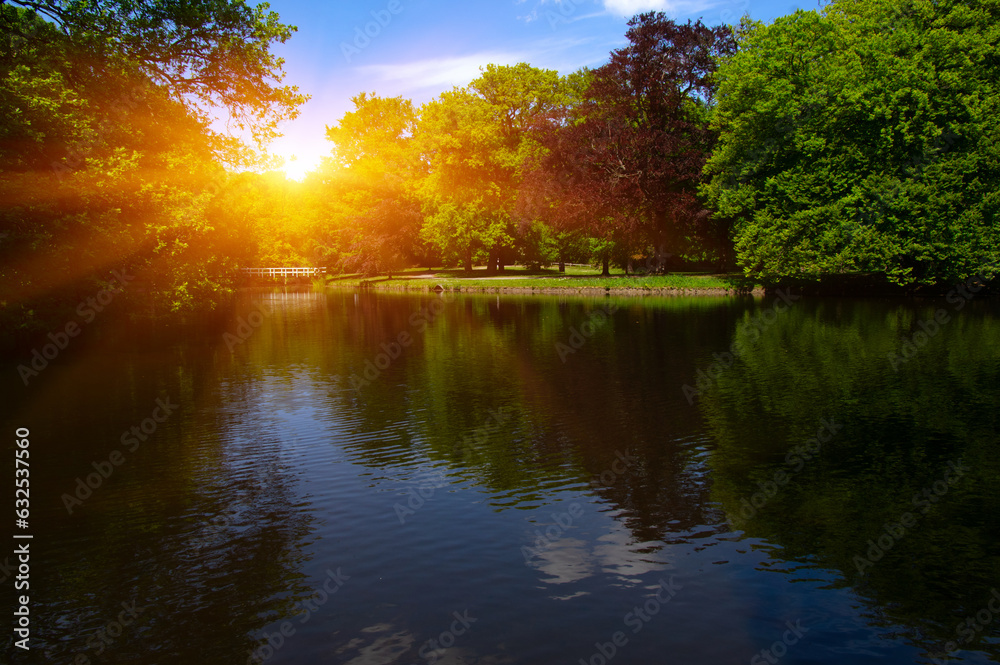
[108,160]
[205,53]
[371,214]
[476,142]
[627,161]
[862,141]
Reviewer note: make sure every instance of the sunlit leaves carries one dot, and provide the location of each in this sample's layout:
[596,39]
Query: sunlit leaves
[371,214]
[476,142]
[108,160]
[206,53]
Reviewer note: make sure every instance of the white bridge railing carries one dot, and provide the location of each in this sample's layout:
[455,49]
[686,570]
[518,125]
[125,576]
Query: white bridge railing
[284,272]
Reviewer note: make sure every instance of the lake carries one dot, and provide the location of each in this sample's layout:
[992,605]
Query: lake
[361,478]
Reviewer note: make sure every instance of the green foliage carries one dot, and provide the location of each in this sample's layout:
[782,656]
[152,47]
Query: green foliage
[463,231]
[856,141]
[862,141]
[477,142]
[370,214]
[537,244]
[108,159]
[900,426]
[204,54]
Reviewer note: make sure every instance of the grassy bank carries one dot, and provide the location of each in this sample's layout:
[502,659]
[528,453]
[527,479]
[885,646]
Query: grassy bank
[522,280]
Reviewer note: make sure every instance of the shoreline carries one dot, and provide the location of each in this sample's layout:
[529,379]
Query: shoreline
[635,292]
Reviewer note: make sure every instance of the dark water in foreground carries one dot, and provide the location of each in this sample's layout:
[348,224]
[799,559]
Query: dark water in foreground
[482,501]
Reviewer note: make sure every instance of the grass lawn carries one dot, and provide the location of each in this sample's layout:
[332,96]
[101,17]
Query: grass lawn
[519,277]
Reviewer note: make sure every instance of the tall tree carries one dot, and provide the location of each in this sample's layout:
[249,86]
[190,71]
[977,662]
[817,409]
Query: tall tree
[861,141]
[476,142]
[626,162]
[373,219]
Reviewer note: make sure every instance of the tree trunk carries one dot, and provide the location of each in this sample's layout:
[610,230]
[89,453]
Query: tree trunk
[562,266]
[604,271]
[468,261]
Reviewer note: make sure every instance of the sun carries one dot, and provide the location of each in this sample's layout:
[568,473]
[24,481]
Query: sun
[300,152]
[295,168]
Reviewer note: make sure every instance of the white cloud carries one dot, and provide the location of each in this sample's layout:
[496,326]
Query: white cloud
[565,560]
[630,8]
[441,73]
[558,12]
[444,72]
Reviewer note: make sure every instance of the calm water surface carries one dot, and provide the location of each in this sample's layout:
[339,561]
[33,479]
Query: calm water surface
[520,480]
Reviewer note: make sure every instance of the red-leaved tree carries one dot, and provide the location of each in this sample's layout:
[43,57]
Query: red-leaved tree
[624,164]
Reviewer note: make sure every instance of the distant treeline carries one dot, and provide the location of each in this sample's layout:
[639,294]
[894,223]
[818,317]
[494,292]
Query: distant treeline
[855,146]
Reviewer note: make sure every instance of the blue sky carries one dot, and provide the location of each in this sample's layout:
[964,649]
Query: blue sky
[420,48]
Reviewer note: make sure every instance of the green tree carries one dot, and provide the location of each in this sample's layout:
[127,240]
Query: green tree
[263,220]
[206,54]
[373,218]
[477,142]
[860,141]
[109,165]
